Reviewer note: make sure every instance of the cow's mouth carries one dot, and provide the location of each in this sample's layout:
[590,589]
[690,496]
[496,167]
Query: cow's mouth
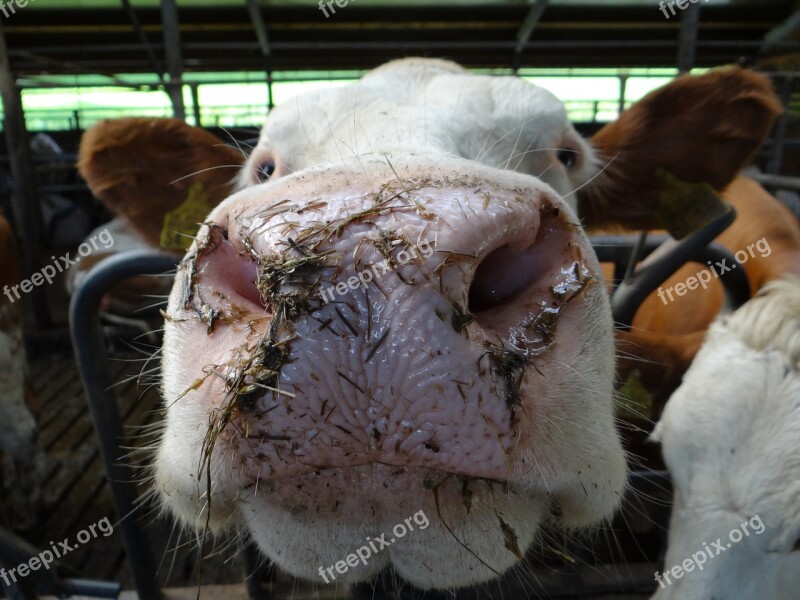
[485,523]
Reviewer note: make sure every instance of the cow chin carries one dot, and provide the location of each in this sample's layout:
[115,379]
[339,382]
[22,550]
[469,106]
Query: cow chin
[388,401]
[457,532]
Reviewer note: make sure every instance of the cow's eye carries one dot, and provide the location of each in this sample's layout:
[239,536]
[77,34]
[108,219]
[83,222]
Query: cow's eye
[568,157]
[265,170]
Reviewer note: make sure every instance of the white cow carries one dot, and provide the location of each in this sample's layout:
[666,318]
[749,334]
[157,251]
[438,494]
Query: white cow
[322,425]
[418,151]
[731,440]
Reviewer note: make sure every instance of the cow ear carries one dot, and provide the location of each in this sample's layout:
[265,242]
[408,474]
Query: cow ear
[161,175]
[697,129]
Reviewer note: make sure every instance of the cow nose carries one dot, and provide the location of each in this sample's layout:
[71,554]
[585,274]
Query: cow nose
[493,256]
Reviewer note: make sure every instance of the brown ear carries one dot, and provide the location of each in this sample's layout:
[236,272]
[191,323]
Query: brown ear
[699,129]
[144,168]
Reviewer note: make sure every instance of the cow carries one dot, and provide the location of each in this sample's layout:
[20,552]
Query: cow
[668,329]
[673,129]
[326,374]
[18,433]
[729,437]
[327,378]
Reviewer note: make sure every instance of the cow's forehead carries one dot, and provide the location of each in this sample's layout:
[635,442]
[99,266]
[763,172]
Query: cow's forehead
[413,94]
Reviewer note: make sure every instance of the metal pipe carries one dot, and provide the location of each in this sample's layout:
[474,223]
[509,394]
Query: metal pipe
[25,197]
[776,160]
[777,181]
[687,41]
[89,345]
[172,47]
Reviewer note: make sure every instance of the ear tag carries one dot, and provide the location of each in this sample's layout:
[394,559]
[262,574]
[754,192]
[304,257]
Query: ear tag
[181,224]
[684,207]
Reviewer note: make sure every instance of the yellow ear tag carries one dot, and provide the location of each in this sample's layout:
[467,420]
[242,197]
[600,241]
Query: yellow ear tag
[684,207]
[181,224]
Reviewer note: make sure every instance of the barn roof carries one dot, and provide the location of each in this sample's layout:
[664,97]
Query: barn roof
[127,36]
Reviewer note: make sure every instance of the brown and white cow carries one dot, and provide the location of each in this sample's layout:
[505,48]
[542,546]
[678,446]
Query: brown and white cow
[316,409]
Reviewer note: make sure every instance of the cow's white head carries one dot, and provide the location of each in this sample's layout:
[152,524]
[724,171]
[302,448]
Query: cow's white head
[404,320]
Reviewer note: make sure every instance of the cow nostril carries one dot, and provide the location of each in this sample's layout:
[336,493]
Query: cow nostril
[524,264]
[226,273]
[245,283]
[503,273]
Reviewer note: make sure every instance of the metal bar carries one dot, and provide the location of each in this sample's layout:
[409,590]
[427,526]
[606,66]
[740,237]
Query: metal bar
[92,589]
[254,10]
[781,32]
[71,67]
[665,260]
[777,181]
[89,345]
[104,49]
[270,97]
[687,41]
[142,35]
[776,160]
[25,197]
[526,29]
[172,47]
[196,104]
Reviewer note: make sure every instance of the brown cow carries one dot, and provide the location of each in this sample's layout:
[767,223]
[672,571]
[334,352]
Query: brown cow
[663,131]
